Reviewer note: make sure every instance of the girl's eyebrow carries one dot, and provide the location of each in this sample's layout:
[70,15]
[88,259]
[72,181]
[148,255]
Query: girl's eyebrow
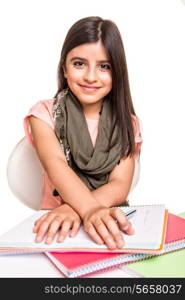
[82,58]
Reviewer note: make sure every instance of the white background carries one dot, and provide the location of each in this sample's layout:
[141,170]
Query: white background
[32,33]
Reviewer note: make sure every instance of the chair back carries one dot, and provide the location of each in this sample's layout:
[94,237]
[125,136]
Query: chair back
[25,174]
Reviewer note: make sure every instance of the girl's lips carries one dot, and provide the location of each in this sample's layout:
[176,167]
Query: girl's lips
[89,88]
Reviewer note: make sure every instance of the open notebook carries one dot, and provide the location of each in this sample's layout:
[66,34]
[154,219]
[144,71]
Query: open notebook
[149,223]
[76,264]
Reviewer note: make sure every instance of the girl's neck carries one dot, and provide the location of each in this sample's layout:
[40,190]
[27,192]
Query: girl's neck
[92,116]
[92,111]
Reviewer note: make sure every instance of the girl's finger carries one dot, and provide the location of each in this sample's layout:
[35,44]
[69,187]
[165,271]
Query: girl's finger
[115,232]
[38,222]
[43,228]
[65,228]
[41,231]
[52,230]
[123,222]
[104,233]
[128,229]
[93,234]
[75,228]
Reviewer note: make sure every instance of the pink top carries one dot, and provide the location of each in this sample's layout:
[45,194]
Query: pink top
[43,110]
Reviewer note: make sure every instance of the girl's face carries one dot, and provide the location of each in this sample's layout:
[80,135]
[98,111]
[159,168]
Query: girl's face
[88,73]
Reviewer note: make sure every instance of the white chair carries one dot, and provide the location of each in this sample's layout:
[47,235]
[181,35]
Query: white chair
[25,174]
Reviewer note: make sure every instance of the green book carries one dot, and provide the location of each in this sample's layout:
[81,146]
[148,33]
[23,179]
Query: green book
[168,265]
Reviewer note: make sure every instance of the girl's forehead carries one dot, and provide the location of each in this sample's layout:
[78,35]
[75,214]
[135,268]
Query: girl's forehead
[88,51]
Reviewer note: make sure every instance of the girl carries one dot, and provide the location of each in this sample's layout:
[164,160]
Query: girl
[87,138]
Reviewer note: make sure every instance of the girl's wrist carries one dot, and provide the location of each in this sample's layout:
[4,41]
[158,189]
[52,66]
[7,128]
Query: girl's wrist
[85,210]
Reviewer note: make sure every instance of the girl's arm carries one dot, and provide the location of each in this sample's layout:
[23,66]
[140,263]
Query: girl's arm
[68,184]
[115,192]
[100,222]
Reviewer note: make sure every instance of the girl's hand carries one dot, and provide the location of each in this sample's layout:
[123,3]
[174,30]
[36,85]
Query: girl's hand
[62,218]
[104,224]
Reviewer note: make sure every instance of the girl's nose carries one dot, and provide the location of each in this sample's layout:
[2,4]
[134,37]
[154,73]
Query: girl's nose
[90,75]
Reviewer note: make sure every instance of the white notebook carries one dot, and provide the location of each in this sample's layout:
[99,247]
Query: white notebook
[149,223]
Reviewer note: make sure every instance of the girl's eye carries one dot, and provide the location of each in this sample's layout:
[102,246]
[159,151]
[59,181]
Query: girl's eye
[105,66]
[78,64]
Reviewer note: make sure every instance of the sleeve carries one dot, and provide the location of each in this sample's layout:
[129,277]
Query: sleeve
[41,110]
[138,135]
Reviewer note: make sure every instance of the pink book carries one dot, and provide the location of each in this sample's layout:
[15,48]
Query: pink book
[77,264]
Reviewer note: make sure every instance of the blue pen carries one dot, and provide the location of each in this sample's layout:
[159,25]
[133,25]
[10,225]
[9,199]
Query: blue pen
[130,213]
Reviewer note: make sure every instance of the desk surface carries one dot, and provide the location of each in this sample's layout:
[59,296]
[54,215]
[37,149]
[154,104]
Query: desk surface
[38,265]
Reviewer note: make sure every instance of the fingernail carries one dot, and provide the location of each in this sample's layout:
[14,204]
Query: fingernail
[111,244]
[48,240]
[125,227]
[120,244]
[38,239]
[61,238]
[100,242]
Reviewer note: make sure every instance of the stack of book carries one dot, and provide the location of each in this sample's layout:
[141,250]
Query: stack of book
[157,232]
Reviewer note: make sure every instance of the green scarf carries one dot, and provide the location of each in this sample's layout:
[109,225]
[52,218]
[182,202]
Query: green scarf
[91,164]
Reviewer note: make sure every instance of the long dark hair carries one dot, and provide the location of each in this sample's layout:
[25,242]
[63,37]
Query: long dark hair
[90,30]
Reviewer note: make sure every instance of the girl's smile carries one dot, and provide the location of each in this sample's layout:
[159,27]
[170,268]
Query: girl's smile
[89,88]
